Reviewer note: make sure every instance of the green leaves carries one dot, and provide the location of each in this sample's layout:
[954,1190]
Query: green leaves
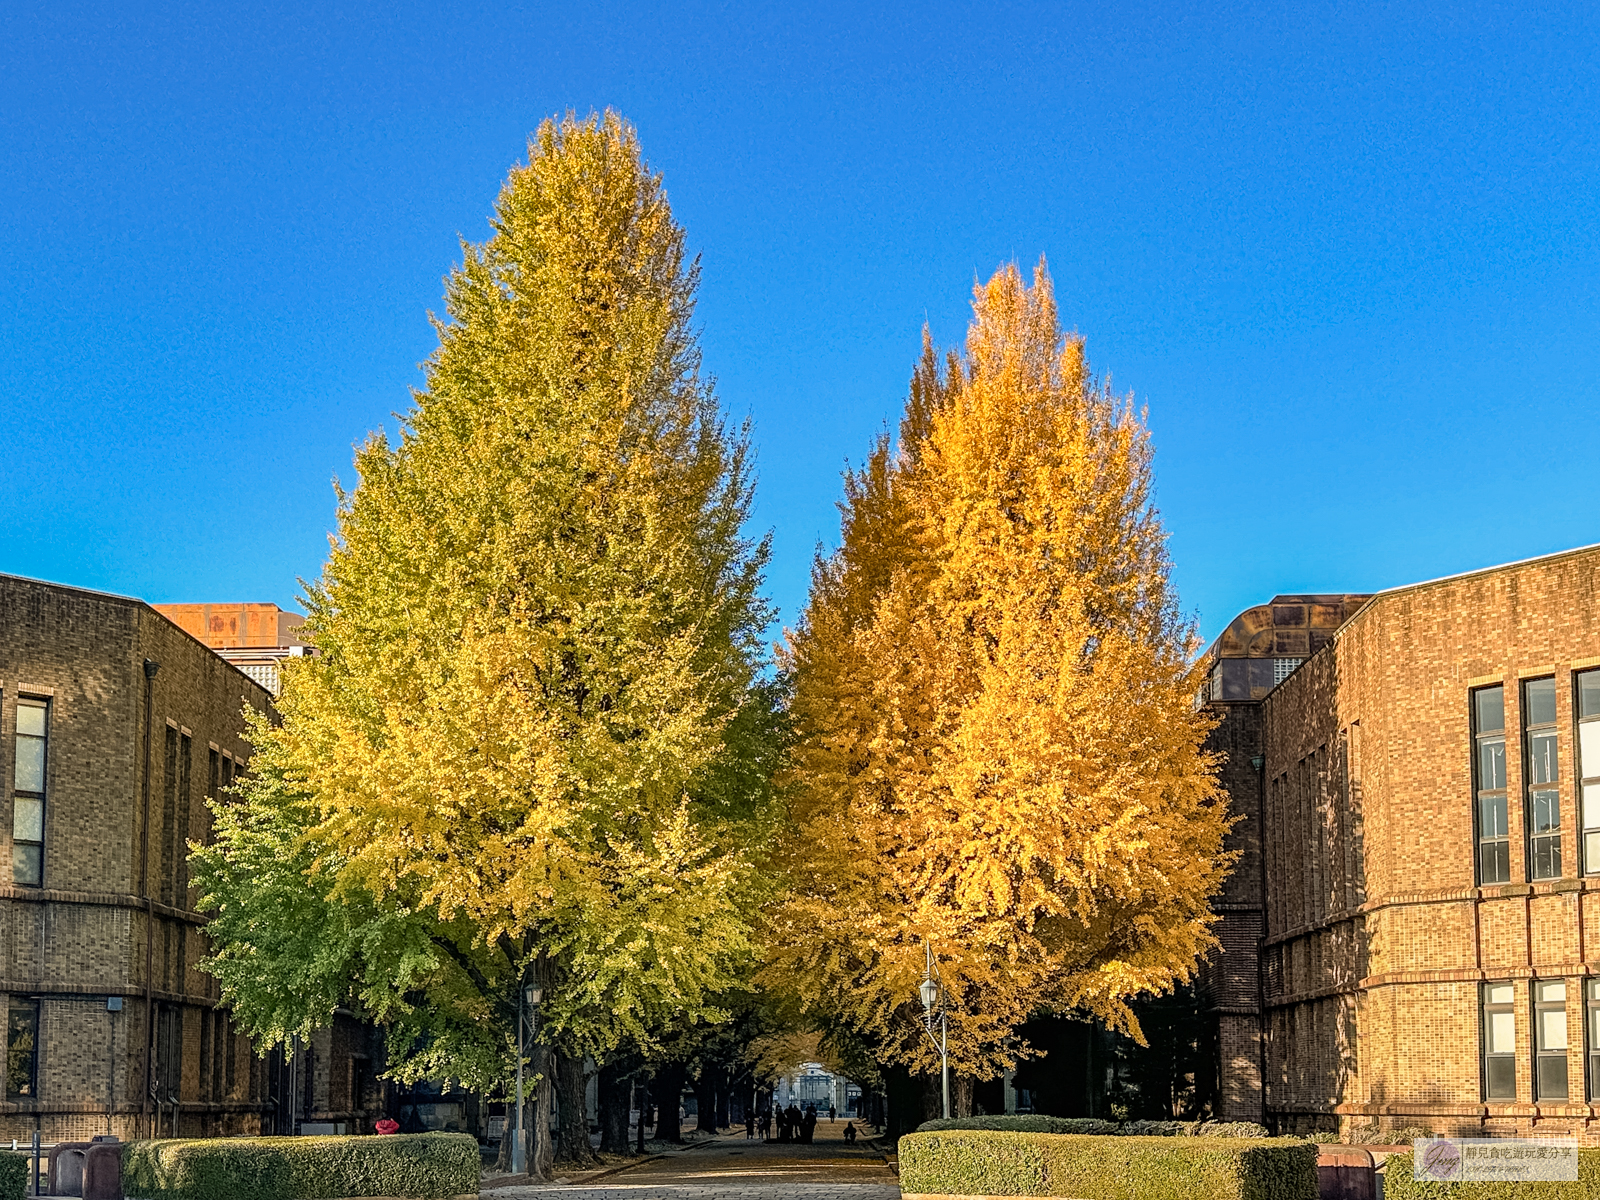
[535,737]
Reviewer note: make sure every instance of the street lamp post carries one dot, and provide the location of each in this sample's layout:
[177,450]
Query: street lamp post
[527,998]
[932,994]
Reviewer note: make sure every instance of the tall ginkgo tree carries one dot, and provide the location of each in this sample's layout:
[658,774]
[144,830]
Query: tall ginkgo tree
[998,761]
[534,744]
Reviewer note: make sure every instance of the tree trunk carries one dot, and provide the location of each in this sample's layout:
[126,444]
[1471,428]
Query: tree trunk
[614,1098]
[905,1095]
[572,1136]
[502,1161]
[667,1088]
[541,1147]
[644,1109]
[962,1089]
[705,1100]
[724,1100]
[932,1097]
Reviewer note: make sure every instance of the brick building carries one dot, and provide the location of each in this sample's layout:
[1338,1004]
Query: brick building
[114,724]
[1431,874]
[1258,650]
[256,638]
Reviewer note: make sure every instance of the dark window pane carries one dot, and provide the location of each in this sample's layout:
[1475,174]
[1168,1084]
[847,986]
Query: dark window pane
[1492,817]
[1502,1078]
[1235,683]
[1589,694]
[1261,678]
[1547,858]
[1542,758]
[1546,811]
[27,864]
[1552,1077]
[1489,709]
[1540,697]
[1491,765]
[1496,860]
[22,1051]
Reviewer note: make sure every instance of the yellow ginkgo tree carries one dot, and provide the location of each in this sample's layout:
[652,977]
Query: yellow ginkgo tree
[998,760]
[534,745]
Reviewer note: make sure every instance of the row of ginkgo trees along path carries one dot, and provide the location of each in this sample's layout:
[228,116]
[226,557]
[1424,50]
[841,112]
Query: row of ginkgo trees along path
[540,743]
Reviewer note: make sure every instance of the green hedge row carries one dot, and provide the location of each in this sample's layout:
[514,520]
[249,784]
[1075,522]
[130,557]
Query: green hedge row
[426,1165]
[1030,1123]
[1100,1167]
[13,1175]
[1398,1184]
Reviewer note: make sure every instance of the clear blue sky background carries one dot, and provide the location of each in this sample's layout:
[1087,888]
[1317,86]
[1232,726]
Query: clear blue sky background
[1347,254]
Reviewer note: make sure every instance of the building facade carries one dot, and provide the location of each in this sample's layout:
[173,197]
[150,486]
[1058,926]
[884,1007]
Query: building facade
[256,638]
[114,726]
[1429,794]
[1258,650]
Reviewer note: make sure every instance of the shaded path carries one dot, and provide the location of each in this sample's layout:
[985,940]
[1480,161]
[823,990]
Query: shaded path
[732,1168]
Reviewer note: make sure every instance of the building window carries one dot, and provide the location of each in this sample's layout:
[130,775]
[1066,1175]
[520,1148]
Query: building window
[22,1050]
[1499,1041]
[169,1053]
[1544,793]
[1588,689]
[180,886]
[1282,668]
[169,815]
[27,800]
[1593,1023]
[205,1055]
[221,1078]
[1494,830]
[1550,1039]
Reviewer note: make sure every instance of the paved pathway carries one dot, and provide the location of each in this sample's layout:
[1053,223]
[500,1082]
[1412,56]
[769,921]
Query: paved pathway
[732,1168]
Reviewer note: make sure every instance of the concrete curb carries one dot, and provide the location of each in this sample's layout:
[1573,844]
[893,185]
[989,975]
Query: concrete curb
[590,1176]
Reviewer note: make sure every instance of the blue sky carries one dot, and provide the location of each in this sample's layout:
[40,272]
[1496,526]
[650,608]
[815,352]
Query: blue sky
[1347,255]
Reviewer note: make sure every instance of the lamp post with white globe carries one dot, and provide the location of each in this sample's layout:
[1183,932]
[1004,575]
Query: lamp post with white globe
[933,994]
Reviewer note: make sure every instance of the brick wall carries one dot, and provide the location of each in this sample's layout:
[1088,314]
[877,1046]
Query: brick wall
[1229,978]
[1378,936]
[82,936]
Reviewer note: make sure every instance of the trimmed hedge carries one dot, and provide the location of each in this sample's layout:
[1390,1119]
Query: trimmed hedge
[1089,1167]
[13,1175]
[429,1166]
[1029,1123]
[1020,1123]
[1398,1184]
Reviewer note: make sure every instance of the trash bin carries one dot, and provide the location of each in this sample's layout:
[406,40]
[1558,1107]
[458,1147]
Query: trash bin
[1345,1173]
[64,1176]
[102,1170]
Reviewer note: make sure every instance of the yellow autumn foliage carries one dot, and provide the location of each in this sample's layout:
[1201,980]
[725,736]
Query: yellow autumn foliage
[997,752]
[536,712]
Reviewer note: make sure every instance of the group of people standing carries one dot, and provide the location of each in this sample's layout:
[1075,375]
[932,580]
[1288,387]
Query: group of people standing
[794,1124]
